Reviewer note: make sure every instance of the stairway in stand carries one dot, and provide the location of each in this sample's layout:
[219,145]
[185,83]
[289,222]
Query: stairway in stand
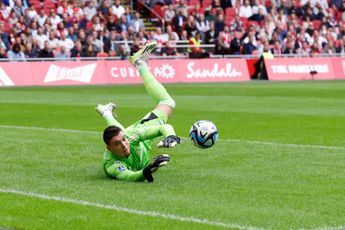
[150,24]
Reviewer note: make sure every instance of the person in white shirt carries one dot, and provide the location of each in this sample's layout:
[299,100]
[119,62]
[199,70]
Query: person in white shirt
[32,12]
[54,19]
[66,42]
[257,6]
[41,37]
[117,9]
[137,22]
[5,10]
[53,41]
[245,10]
[169,13]
[41,18]
[202,25]
[90,10]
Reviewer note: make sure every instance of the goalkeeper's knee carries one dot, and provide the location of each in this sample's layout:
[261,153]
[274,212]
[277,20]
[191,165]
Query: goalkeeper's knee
[169,102]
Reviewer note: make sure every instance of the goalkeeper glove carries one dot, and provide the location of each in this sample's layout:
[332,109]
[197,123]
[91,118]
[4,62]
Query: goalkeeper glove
[158,161]
[169,141]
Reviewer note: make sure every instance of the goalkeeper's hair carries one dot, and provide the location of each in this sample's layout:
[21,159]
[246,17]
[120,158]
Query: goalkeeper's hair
[110,132]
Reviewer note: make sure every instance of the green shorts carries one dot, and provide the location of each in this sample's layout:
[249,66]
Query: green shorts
[155,117]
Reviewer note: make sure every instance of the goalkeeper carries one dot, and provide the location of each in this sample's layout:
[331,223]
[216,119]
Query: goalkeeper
[126,156]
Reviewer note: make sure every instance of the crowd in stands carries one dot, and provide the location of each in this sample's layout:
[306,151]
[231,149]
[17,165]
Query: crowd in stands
[88,28]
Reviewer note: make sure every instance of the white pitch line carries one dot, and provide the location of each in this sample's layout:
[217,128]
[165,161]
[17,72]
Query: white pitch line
[230,140]
[128,210]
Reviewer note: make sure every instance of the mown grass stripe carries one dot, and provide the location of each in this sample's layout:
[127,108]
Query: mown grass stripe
[128,210]
[185,138]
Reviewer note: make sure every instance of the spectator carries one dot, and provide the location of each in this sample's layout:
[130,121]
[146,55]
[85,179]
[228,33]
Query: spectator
[66,42]
[172,35]
[16,54]
[290,47]
[90,10]
[259,17]
[219,23]
[3,54]
[211,35]
[339,4]
[191,26]
[62,54]
[13,18]
[76,10]
[46,51]
[54,18]
[179,21]
[249,47]
[209,16]
[160,37]
[257,6]
[110,42]
[72,34]
[216,6]
[41,18]
[77,50]
[169,14]
[143,38]
[5,10]
[95,41]
[123,52]
[276,49]
[104,8]
[89,51]
[168,49]
[135,46]
[97,25]
[117,9]
[202,26]
[245,10]
[236,43]
[224,40]
[112,25]
[18,8]
[31,51]
[53,41]
[123,46]
[340,47]
[180,6]
[123,24]
[32,13]
[195,51]
[129,15]
[295,8]
[236,23]
[137,22]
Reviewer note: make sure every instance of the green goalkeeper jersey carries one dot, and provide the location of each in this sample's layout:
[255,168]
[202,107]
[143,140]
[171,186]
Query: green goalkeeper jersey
[140,137]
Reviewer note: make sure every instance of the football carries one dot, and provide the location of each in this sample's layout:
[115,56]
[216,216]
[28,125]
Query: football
[203,134]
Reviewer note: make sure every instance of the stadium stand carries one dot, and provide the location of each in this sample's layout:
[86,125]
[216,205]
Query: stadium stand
[279,26]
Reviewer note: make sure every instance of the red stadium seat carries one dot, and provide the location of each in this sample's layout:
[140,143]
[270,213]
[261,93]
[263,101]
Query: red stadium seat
[317,24]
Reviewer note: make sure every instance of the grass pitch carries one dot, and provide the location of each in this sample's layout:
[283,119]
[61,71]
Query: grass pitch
[279,162]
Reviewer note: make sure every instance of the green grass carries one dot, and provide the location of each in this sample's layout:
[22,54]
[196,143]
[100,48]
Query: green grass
[279,162]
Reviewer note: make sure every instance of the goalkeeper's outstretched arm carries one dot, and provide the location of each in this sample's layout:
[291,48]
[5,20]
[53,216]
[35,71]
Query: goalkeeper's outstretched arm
[119,171]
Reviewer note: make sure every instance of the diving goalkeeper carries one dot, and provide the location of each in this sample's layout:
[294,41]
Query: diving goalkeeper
[126,156]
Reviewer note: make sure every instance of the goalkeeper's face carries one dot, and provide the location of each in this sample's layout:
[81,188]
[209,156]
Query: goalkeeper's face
[119,145]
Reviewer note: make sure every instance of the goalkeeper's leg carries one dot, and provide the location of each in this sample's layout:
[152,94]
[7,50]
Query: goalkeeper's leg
[106,111]
[154,88]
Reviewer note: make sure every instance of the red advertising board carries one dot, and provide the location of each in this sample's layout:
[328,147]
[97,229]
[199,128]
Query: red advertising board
[286,69]
[339,67]
[121,72]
